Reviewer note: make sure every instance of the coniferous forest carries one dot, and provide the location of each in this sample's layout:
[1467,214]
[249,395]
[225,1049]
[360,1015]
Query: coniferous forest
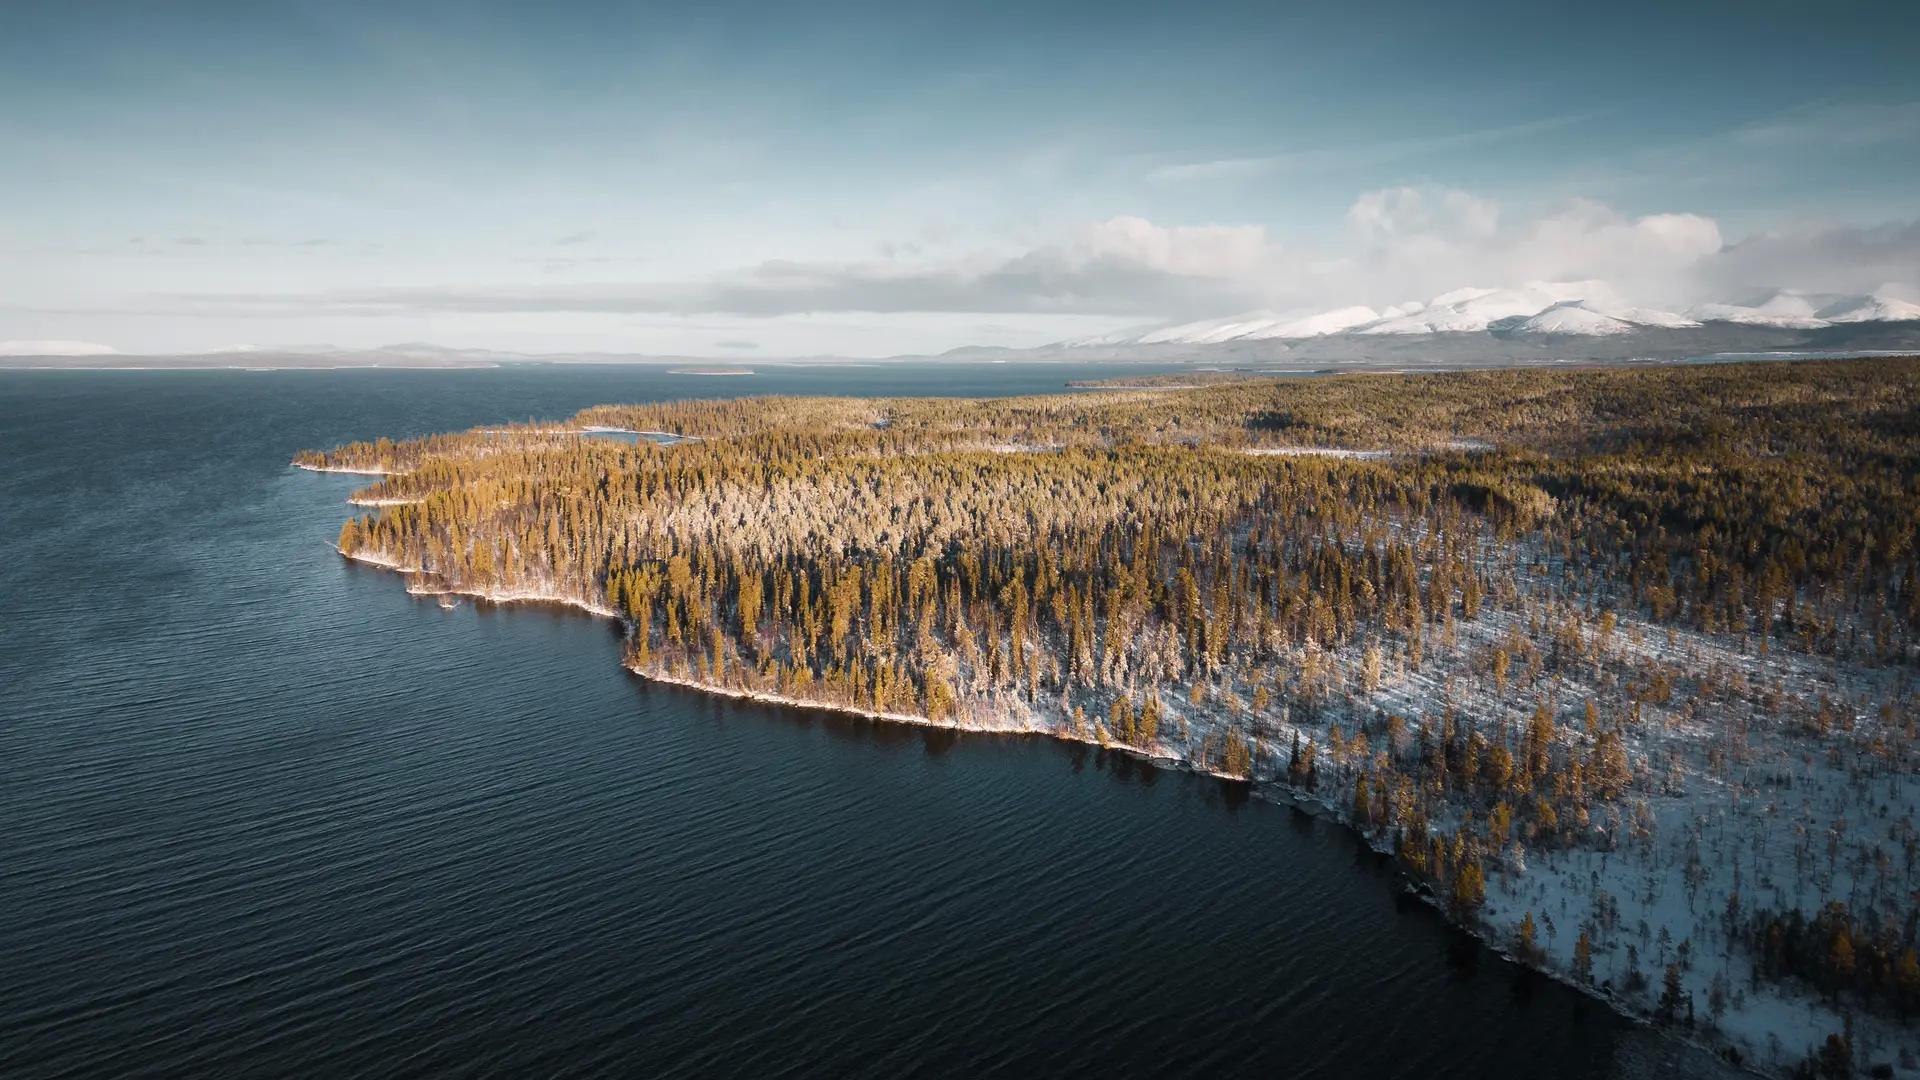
[1618,664]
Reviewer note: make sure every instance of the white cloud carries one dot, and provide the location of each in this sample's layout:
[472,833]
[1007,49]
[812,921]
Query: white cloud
[1119,266]
[1829,258]
[1206,251]
[1363,155]
[1392,214]
[1854,124]
[1651,257]
[1401,243]
[1422,241]
[55,348]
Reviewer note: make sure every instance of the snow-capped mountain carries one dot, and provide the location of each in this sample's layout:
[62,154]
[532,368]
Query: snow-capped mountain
[1321,323]
[1804,311]
[1466,311]
[1590,318]
[1646,316]
[1784,307]
[1544,308]
[1572,317]
[1209,331]
[1579,307]
[1248,326]
[1873,307]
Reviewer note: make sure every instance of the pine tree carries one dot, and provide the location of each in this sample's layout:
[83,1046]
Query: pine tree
[1836,1058]
[1840,961]
[1469,890]
[1149,728]
[1237,757]
[1906,981]
[1668,1009]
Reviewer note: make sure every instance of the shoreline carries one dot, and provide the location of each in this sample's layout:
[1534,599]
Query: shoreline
[384,562]
[1270,789]
[1709,716]
[342,469]
[768,697]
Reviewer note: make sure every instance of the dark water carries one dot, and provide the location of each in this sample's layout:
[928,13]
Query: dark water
[263,814]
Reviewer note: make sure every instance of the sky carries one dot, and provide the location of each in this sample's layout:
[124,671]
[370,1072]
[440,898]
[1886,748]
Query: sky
[773,179]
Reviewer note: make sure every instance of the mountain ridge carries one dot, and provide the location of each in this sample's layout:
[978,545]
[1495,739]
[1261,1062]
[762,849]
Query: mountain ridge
[1559,309]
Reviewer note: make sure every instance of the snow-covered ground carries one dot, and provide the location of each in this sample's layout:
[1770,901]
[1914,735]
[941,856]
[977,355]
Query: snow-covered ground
[1736,791]
[1758,769]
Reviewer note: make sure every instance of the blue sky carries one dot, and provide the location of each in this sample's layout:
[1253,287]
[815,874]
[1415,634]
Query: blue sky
[773,179]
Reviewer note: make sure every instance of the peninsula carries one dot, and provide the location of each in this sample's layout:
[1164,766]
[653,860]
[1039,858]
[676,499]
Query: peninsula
[1618,664]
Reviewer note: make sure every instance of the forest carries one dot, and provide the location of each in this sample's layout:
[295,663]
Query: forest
[1616,663]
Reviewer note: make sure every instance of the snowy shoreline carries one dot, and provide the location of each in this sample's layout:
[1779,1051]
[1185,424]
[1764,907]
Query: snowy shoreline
[1009,726]
[1489,931]
[343,470]
[492,596]
[1272,790]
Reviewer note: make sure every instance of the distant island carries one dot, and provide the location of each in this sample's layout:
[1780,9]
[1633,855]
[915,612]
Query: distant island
[1618,665]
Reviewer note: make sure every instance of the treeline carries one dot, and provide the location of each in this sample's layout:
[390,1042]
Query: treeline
[900,563]
[1732,498]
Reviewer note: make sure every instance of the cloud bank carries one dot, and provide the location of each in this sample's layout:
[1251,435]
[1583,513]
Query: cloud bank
[1397,244]
[1360,156]
[55,348]
[1418,242]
